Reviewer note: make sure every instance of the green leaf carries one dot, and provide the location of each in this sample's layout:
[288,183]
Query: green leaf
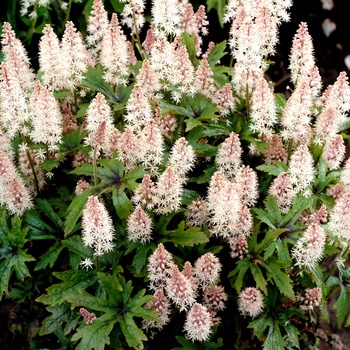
[134,336]
[260,325]
[47,209]
[75,245]
[293,335]
[259,278]
[186,344]
[111,284]
[269,238]
[191,123]
[241,268]
[219,6]
[122,204]
[280,100]
[217,53]
[49,257]
[273,169]
[342,305]
[73,282]
[11,264]
[283,282]
[168,107]
[188,41]
[265,217]
[95,335]
[184,237]
[59,315]
[274,338]
[93,79]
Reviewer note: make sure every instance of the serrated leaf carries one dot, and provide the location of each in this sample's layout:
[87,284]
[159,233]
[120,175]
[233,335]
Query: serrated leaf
[72,282]
[342,305]
[49,257]
[111,284]
[189,42]
[217,53]
[59,314]
[219,6]
[241,268]
[75,244]
[85,169]
[281,279]
[274,339]
[168,107]
[259,278]
[270,236]
[186,344]
[95,335]
[191,123]
[93,79]
[273,169]
[140,258]
[47,209]
[265,217]
[122,204]
[83,298]
[260,325]
[293,335]
[134,336]
[184,237]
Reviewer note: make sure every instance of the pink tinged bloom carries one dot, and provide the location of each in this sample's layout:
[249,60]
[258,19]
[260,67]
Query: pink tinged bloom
[345,175]
[207,269]
[115,55]
[46,118]
[17,58]
[184,82]
[97,26]
[138,109]
[99,123]
[244,223]
[225,100]
[89,317]
[275,152]
[97,227]
[214,298]
[228,159]
[239,246]
[302,53]
[150,155]
[167,123]
[312,299]
[224,206]
[242,80]
[250,302]
[246,182]
[335,103]
[168,192]
[308,250]
[339,222]
[75,57]
[148,79]
[198,323]
[197,213]
[301,170]
[296,116]
[133,15]
[14,110]
[179,289]
[81,187]
[189,273]
[167,16]
[13,193]
[317,217]
[144,193]
[50,58]
[263,113]
[127,145]
[150,39]
[160,264]
[334,152]
[282,189]
[195,24]
[139,226]
[162,307]
[204,80]
[182,157]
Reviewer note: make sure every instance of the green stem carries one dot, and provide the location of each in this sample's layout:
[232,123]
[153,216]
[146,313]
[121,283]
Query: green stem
[67,16]
[335,266]
[30,160]
[30,33]
[138,40]
[94,164]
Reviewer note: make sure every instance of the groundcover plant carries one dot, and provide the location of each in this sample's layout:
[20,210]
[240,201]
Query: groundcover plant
[154,197]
